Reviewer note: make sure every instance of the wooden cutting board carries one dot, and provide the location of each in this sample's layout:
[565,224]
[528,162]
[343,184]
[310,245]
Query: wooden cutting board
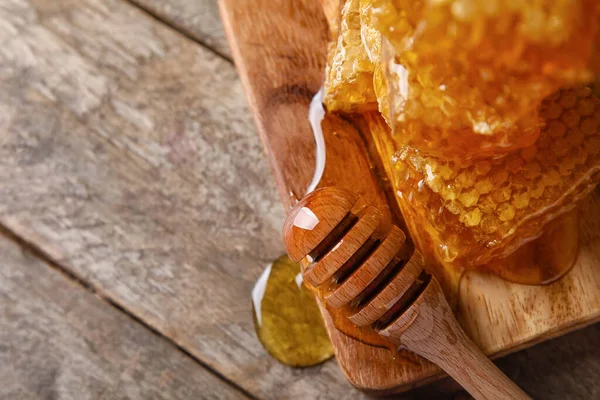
[279,47]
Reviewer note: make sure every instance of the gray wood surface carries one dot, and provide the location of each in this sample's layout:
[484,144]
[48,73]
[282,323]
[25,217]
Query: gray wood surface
[563,368]
[197,18]
[59,341]
[128,156]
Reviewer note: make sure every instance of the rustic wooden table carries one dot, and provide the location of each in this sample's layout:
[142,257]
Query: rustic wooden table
[137,210]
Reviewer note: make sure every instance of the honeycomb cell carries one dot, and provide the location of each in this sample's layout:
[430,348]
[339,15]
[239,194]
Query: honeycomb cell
[484,186]
[469,199]
[551,38]
[469,84]
[506,212]
[479,209]
[349,71]
[369,34]
[471,218]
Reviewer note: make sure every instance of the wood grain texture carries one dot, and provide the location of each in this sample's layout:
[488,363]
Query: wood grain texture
[59,341]
[96,199]
[279,48]
[416,317]
[502,317]
[128,156]
[561,368]
[197,18]
[429,329]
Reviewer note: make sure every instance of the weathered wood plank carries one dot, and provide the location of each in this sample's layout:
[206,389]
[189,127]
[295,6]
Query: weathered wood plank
[128,155]
[564,368]
[196,18]
[59,341]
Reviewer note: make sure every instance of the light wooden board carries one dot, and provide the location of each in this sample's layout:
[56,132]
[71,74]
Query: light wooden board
[58,341]
[128,156]
[279,49]
[503,317]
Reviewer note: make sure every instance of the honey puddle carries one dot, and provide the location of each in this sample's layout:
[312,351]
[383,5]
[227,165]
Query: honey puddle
[545,259]
[287,318]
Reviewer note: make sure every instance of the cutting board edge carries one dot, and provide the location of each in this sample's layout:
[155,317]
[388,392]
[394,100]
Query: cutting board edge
[240,30]
[542,337]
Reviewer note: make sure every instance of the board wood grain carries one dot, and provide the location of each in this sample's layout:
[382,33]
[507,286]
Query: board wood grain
[58,340]
[279,49]
[128,156]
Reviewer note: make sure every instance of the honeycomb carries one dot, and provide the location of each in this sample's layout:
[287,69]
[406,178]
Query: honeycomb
[372,42]
[369,35]
[462,84]
[554,38]
[492,111]
[478,210]
[349,72]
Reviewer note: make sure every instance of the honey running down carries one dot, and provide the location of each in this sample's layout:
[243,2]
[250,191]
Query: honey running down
[287,318]
[487,119]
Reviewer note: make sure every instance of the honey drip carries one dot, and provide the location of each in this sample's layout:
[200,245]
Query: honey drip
[287,318]
[543,260]
[339,316]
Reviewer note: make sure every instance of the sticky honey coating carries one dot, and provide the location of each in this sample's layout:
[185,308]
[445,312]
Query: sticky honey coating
[547,37]
[475,211]
[372,42]
[369,34]
[466,78]
[492,114]
[446,111]
[349,72]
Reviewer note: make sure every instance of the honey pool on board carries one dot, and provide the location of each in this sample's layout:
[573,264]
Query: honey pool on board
[287,318]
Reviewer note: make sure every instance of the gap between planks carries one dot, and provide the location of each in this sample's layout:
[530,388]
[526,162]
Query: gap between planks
[79,281]
[180,29]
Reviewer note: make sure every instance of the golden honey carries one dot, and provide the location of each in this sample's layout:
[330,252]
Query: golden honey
[489,122]
[476,71]
[349,73]
[483,209]
[287,318]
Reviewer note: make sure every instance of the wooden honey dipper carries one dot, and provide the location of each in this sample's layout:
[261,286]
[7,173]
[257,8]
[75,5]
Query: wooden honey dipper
[366,263]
